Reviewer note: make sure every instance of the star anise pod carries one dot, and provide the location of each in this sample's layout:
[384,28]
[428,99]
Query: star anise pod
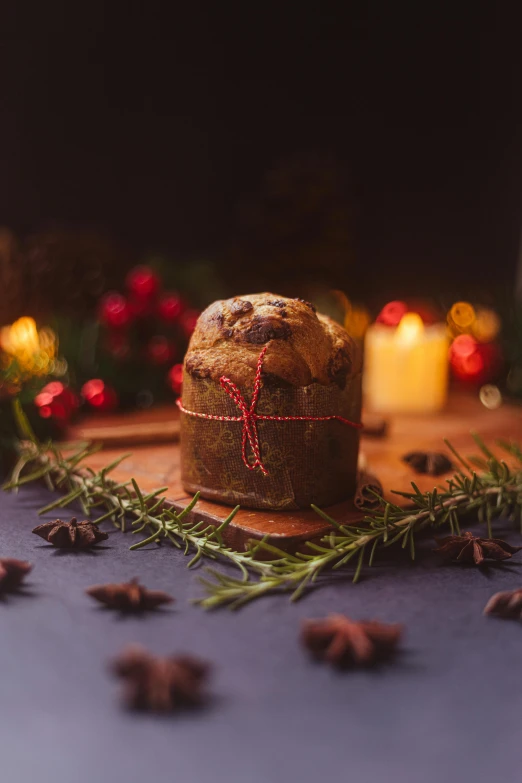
[129,596]
[344,642]
[507,604]
[433,463]
[71,535]
[160,684]
[12,573]
[472,549]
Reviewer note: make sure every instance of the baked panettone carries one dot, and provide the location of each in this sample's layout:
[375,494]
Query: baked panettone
[271,405]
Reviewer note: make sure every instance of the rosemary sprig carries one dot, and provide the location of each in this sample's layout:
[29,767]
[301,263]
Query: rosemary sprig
[124,504]
[493,492]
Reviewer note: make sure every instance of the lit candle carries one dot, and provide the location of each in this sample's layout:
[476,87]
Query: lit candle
[406,367]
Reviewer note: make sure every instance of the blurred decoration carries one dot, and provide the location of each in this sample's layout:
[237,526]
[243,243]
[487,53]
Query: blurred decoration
[28,352]
[490,396]
[115,311]
[125,359]
[354,317]
[392,313]
[473,362]
[486,326]
[124,348]
[56,401]
[356,321]
[28,361]
[176,378]
[475,354]
[406,361]
[98,395]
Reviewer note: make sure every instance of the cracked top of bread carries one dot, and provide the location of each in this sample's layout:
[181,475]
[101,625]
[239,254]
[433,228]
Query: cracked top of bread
[304,346]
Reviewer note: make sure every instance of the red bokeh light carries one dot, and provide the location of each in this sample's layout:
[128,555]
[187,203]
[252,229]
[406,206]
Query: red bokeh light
[463,346]
[474,362]
[175,378]
[159,350]
[142,282]
[114,311]
[99,395]
[56,401]
[391,314]
[189,320]
[117,344]
[170,307]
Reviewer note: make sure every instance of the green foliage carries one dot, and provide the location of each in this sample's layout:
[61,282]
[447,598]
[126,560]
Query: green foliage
[484,486]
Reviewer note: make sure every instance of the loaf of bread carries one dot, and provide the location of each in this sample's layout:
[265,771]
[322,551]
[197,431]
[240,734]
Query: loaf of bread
[308,399]
[305,346]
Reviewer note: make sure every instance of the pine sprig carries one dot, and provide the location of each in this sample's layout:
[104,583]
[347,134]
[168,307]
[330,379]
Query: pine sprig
[484,486]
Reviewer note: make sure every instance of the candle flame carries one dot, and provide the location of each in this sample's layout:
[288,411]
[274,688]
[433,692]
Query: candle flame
[409,329]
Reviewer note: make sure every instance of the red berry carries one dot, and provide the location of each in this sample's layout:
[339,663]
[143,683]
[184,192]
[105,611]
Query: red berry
[114,310]
[142,282]
[170,307]
[189,320]
[159,350]
[140,308]
[117,344]
[175,378]
[99,395]
[57,402]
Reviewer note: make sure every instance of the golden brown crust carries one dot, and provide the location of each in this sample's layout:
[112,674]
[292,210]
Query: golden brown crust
[304,346]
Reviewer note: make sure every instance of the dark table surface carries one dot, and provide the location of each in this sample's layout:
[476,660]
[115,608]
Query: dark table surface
[448,709]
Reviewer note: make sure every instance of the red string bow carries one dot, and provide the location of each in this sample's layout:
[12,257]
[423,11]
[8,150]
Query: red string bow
[249,417]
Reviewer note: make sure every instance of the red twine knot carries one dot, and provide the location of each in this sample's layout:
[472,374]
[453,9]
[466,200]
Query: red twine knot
[249,417]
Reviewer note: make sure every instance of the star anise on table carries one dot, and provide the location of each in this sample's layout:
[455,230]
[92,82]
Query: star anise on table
[472,549]
[71,535]
[129,596]
[12,573]
[160,684]
[506,604]
[432,463]
[344,642]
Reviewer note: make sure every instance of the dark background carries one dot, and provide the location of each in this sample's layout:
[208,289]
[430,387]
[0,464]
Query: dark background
[370,145]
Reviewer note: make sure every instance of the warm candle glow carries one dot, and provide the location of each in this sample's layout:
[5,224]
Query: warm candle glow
[410,329]
[406,367]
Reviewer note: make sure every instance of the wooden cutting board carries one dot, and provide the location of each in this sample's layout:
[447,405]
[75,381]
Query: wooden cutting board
[152,436]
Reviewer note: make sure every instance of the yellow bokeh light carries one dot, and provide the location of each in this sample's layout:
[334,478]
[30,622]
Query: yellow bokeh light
[32,352]
[357,321]
[486,325]
[462,315]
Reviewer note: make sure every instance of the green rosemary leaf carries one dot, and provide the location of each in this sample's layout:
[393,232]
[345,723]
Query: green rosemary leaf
[359,566]
[327,518]
[63,501]
[482,446]
[188,509]
[149,540]
[457,456]
[372,552]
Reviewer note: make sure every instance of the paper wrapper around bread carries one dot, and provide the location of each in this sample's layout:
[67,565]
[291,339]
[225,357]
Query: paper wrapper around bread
[307,461]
